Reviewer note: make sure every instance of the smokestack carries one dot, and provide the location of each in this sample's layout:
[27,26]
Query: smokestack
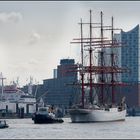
[55,73]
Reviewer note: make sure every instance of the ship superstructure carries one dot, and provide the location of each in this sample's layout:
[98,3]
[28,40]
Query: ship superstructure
[13,98]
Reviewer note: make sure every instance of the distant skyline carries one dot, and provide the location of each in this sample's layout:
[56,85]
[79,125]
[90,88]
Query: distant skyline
[35,35]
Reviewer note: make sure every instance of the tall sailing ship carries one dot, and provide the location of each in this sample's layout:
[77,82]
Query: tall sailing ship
[97,76]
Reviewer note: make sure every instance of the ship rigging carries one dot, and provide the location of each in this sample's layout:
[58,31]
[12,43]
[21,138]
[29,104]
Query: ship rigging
[105,74]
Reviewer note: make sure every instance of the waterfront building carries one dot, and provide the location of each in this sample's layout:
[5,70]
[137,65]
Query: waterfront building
[129,57]
[58,90]
[13,99]
[37,90]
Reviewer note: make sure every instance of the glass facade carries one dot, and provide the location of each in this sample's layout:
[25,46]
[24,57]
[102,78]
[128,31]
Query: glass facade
[59,91]
[130,55]
[129,58]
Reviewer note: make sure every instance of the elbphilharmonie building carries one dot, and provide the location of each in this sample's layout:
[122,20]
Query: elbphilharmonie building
[129,57]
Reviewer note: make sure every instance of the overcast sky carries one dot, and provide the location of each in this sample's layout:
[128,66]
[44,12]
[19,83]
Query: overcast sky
[34,36]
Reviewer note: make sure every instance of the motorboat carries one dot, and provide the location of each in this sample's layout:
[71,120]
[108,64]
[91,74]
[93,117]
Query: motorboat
[45,115]
[3,124]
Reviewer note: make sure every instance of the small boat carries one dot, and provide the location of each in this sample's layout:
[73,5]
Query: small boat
[45,115]
[3,124]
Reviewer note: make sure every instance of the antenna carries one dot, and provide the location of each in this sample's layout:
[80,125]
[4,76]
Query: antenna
[36,89]
[17,81]
[30,85]
[2,79]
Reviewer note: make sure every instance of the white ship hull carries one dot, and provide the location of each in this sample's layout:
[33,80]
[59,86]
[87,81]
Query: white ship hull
[94,115]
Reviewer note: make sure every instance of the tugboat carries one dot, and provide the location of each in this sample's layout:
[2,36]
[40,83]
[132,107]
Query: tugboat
[3,124]
[45,115]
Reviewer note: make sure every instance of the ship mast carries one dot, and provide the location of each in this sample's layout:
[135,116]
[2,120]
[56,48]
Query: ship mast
[2,84]
[102,53]
[90,59]
[82,73]
[112,62]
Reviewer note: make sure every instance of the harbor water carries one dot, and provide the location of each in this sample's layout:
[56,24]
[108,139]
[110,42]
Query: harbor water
[25,128]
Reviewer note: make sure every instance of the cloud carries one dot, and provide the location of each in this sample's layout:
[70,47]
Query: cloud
[10,17]
[34,38]
[33,62]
